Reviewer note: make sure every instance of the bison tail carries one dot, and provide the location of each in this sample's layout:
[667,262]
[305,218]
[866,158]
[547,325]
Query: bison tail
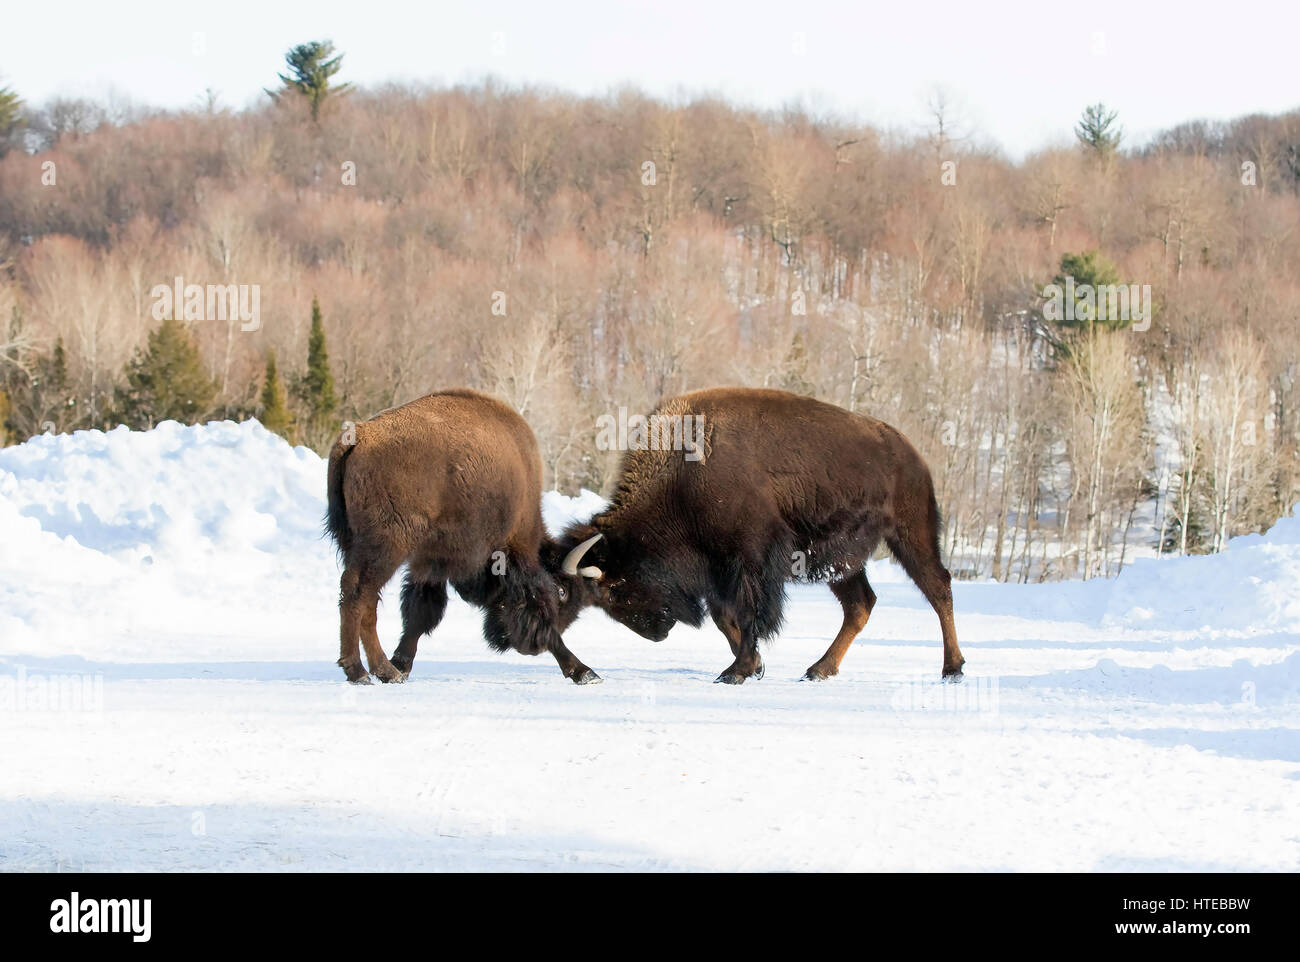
[936,521]
[336,516]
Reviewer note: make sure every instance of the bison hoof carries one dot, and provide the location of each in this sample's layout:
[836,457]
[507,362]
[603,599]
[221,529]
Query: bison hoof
[389,675]
[954,677]
[737,676]
[587,677]
[356,674]
[816,674]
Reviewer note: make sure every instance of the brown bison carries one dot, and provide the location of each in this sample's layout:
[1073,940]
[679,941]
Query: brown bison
[773,487]
[450,485]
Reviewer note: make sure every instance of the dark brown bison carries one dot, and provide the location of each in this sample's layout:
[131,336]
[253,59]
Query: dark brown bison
[450,485]
[766,487]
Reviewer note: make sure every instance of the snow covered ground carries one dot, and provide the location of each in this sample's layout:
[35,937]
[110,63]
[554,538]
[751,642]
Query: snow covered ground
[169,701]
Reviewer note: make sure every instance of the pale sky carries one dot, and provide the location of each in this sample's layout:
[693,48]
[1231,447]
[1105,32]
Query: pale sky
[1019,72]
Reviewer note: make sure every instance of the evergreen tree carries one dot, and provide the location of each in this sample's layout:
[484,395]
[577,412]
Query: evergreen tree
[1196,534]
[315,388]
[1088,267]
[275,409]
[58,369]
[1089,270]
[794,368]
[36,386]
[1096,130]
[164,382]
[311,65]
[49,398]
[11,119]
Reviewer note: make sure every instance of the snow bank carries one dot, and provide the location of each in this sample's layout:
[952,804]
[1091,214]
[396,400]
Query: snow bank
[222,523]
[128,534]
[180,494]
[1252,586]
[111,540]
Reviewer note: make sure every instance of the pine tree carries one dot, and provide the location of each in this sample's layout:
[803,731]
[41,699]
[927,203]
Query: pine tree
[318,382]
[794,369]
[164,382]
[11,119]
[1096,130]
[1089,269]
[315,388]
[13,377]
[59,364]
[310,68]
[49,398]
[275,415]
[54,370]
[37,389]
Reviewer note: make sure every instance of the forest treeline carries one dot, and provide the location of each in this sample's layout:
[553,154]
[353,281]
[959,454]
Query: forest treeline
[578,255]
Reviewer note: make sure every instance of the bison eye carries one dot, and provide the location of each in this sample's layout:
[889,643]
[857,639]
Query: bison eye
[564,592]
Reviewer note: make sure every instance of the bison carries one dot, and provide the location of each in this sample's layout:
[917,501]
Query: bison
[773,487]
[450,485]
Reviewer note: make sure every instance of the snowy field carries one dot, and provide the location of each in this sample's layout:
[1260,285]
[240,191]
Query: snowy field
[170,701]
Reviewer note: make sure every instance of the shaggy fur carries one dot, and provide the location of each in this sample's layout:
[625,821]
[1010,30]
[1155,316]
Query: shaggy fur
[450,485]
[789,488]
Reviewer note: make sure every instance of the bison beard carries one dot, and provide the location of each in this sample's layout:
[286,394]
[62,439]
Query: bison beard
[450,485]
[785,481]
[519,608]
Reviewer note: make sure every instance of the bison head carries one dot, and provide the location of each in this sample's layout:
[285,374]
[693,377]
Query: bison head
[624,579]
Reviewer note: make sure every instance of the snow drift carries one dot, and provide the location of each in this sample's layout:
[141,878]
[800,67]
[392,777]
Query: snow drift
[223,511]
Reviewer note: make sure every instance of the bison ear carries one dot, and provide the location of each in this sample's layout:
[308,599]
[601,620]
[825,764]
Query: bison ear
[571,560]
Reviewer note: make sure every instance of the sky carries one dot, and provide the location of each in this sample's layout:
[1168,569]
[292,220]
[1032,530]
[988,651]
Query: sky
[1018,74]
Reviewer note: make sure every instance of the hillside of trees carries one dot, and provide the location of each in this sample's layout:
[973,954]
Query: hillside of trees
[575,256]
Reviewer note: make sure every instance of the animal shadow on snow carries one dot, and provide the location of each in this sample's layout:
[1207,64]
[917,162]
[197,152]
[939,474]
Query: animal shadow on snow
[270,671]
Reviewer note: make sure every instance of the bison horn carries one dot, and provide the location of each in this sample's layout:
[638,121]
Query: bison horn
[570,565]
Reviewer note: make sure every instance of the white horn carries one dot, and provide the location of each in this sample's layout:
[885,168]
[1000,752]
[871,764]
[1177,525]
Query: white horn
[570,565]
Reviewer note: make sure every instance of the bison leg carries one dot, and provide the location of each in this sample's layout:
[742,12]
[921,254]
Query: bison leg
[730,630]
[372,583]
[423,605]
[744,646]
[350,627]
[746,606]
[572,668]
[919,556]
[857,599]
[748,664]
